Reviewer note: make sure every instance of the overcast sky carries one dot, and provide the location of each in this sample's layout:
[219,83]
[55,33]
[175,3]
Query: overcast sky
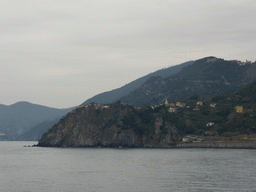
[59,53]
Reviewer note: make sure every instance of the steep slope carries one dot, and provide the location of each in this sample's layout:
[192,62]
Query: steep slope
[116,94]
[116,125]
[20,117]
[205,77]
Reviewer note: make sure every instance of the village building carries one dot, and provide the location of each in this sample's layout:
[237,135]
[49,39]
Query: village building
[209,124]
[172,110]
[239,109]
[213,105]
[180,104]
[199,103]
[166,102]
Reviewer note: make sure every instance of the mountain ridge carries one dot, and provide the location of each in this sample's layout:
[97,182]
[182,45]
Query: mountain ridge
[205,77]
[116,94]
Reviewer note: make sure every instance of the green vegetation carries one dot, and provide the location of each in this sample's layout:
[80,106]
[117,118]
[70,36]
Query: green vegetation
[142,120]
[227,122]
[206,77]
[218,114]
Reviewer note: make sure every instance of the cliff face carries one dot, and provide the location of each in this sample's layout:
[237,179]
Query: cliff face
[92,126]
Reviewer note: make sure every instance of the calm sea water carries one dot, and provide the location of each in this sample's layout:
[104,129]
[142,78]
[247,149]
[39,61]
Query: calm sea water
[109,170]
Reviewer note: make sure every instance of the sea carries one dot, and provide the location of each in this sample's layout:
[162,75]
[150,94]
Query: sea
[39,169]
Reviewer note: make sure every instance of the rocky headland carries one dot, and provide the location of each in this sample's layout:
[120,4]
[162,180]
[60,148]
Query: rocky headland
[115,125]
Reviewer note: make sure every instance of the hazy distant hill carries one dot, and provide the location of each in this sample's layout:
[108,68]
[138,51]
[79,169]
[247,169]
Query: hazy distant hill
[116,94]
[20,117]
[205,77]
[36,132]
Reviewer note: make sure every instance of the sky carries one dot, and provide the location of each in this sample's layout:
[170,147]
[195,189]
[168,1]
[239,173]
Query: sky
[61,53]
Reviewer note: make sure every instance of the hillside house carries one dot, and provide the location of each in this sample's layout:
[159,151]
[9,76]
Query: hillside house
[209,124]
[239,109]
[199,103]
[180,104]
[213,105]
[172,110]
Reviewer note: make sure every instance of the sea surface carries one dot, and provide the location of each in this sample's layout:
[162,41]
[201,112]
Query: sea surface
[110,170]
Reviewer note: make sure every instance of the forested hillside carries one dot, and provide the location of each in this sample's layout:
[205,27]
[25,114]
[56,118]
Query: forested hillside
[116,94]
[205,77]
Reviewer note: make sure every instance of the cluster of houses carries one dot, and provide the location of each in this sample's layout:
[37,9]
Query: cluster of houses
[173,107]
[94,105]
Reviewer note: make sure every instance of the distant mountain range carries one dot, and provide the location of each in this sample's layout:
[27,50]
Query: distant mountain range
[36,132]
[20,117]
[205,78]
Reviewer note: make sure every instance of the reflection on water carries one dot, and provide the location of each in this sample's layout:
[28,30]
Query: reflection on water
[93,169]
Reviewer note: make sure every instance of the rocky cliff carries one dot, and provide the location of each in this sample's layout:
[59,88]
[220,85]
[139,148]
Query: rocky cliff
[111,126]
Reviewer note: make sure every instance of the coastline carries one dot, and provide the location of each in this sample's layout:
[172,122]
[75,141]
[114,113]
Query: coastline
[219,144]
[214,144]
